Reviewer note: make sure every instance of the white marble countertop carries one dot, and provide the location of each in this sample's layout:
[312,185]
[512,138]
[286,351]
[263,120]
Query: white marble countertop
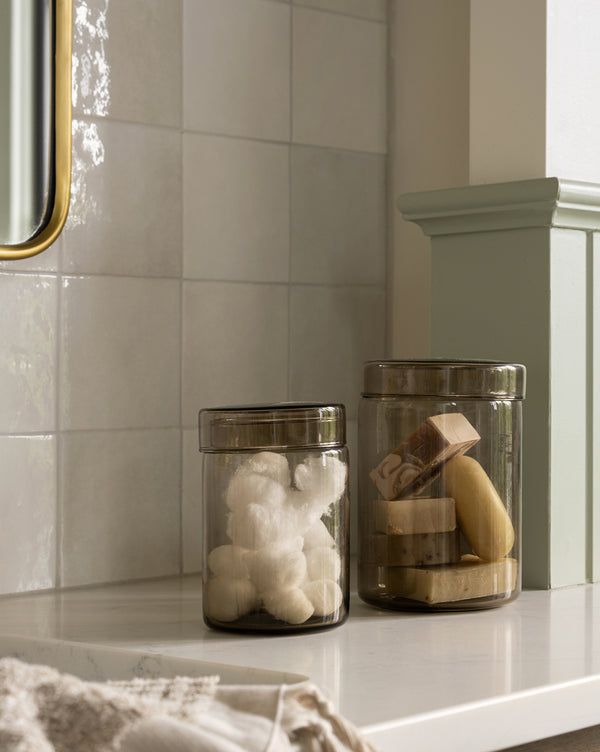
[481,681]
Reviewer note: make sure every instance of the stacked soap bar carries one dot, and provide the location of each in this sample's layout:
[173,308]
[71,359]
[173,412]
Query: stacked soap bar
[414,548]
[281,558]
[470,578]
[411,467]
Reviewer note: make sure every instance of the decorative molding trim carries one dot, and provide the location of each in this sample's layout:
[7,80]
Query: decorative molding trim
[543,202]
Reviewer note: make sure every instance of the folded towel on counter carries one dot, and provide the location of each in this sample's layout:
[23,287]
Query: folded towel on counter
[42,710]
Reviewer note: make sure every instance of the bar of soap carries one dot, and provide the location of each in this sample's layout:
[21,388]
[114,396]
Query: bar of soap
[410,468]
[412,516]
[471,578]
[412,550]
[481,514]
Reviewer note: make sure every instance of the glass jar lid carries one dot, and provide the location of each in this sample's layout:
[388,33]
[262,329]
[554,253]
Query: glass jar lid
[285,425]
[484,379]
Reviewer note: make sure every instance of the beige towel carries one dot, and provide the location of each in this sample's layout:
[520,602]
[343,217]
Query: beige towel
[42,710]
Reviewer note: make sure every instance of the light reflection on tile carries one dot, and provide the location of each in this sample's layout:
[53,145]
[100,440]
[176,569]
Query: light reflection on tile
[87,154]
[127,60]
[91,69]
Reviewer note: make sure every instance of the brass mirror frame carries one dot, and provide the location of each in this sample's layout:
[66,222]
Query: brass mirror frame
[62,140]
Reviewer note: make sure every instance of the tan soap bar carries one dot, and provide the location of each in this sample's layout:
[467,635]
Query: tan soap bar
[412,550]
[481,514]
[410,516]
[411,467]
[471,578]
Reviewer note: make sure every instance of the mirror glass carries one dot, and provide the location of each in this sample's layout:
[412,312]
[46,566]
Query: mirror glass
[26,118]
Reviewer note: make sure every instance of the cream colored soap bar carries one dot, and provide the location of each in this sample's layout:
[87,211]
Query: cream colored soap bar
[412,550]
[412,516]
[471,578]
[481,514]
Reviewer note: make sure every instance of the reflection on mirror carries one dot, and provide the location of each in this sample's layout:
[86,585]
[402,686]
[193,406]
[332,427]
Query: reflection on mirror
[35,123]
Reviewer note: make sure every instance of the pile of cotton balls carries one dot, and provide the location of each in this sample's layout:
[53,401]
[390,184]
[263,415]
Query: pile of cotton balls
[281,556]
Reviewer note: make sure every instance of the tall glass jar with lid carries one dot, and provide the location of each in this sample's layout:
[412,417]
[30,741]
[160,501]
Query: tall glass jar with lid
[276,526]
[440,484]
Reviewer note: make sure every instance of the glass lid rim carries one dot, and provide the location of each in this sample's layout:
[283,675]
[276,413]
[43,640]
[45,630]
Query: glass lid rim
[452,377]
[273,407]
[444,363]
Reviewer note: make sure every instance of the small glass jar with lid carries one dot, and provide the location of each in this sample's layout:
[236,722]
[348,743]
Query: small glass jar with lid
[276,525]
[440,484]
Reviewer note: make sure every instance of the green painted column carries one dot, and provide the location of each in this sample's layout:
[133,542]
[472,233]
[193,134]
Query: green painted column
[514,278]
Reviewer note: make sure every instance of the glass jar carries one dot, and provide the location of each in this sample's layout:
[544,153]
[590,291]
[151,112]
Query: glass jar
[440,484]
[276,525]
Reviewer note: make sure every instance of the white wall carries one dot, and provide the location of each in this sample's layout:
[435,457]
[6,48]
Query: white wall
[534,72]
[226,243]
[573,105]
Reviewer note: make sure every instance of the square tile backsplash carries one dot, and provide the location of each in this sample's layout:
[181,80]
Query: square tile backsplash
[226,243]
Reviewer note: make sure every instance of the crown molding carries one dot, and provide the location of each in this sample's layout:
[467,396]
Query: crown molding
[543,202]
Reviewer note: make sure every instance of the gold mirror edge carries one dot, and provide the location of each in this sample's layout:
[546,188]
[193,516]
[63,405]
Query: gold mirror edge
[62,130]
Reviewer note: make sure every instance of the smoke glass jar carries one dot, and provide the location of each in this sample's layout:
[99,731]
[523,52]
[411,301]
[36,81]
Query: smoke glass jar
[276,525]
[440,484]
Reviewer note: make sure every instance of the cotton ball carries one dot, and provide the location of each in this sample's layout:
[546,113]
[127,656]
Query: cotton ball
[290,605]
[255,525]
[323,478]
[251,488]
[301,505]
[227,598]
[270,464]
[325,595]
[229,560]
[318,536]
[323,564]
[277,567]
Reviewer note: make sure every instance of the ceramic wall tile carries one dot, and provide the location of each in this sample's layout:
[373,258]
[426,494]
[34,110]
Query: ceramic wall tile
[192,502]
[120,354]
[98,349]
[375,10]
[236,209]
[338,81]
[125,215]
[235,341]
[127,60]
[28,508]
[236,68]
[338,217]
[333,331]
[120,495]
[28,322]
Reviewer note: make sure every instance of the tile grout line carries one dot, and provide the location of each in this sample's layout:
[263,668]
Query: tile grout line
[236,137]
[181,286]
[67,431]
[329,12]
[292,142]
[290,203]
[57,419]
[389,202]
[197,280]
